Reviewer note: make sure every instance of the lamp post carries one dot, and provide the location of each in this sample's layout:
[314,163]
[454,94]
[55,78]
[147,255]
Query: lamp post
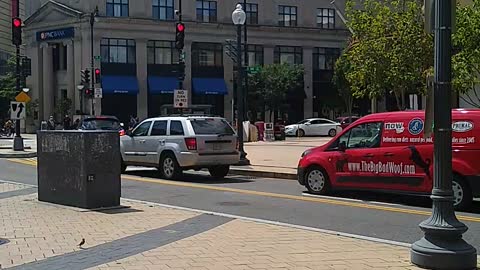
[442,247]
[239,17]
[93,19]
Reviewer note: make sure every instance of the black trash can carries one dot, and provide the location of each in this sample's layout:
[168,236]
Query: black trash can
[79,168]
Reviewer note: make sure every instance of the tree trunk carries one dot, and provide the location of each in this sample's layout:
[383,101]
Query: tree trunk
[397,99]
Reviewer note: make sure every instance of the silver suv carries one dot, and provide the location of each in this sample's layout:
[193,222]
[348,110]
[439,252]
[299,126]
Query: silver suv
[174,144]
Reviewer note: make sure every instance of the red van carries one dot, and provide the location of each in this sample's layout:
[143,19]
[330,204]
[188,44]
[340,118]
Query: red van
[388,152]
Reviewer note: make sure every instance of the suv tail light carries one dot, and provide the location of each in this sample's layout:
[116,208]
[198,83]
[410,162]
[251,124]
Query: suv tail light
[191,143]
[122,132]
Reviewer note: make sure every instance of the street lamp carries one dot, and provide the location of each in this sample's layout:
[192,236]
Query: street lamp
[442,247]
[93,19]
[238,18]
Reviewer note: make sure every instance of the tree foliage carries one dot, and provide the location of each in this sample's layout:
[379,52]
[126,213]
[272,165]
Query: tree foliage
[8,81]
[466,60]
[271,85]
[389,51]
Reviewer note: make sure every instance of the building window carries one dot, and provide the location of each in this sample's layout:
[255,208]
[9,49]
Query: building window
[252,13]
[287,15]
[206,11]
[117,8]
[163,10]
[289,55]
[120,51]
[326,18]
[324,58]
[255,55]
[207,54]
[162,52]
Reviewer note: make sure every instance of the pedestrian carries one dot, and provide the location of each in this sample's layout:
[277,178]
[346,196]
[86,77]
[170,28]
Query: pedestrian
[50,123]
[132,123]
[67,122]
[76,124]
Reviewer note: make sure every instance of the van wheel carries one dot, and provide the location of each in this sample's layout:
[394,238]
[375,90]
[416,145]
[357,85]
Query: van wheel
[332,132]
[300,133]
[169,167]
[219,172]
[316,180]
[462,193]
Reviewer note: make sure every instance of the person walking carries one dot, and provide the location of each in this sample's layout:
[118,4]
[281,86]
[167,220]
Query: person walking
[67,122]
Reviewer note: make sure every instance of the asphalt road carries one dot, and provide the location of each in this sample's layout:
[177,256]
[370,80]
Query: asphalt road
[382,216]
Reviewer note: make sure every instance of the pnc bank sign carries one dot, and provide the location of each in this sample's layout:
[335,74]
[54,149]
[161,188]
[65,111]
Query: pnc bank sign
[56,34]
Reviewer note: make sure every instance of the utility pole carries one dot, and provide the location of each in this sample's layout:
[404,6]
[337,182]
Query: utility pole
[93,15]
[442,247]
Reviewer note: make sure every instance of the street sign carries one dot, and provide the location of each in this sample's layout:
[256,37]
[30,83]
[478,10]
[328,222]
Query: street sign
[98,93]
[17,110]
[180,99]
[22,97]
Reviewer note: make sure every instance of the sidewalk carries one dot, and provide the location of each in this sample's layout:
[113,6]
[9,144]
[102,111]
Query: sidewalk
[277,159]
[29,142]
[148,236]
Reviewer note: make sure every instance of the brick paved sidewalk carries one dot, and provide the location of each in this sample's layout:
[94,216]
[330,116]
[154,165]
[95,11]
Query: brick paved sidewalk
[148,236]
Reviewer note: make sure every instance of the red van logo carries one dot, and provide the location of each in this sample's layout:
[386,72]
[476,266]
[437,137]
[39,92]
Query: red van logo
[462,126]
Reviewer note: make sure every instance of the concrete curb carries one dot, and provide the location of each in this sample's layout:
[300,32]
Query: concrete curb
[287,176]
[18,155]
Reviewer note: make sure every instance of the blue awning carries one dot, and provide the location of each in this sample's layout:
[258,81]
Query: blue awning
[162,85]
[114,84]
[209,86]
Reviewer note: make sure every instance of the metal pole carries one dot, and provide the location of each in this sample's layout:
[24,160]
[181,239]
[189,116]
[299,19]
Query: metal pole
[245,39]
[92,63]
[442,247]
[18,140]
[240,107]
[180,52]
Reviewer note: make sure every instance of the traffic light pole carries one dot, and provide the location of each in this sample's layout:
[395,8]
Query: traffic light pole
[442,247]
[92,63]
[240,99]
[18,140]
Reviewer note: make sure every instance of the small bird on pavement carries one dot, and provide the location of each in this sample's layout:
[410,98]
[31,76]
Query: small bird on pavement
[82,242]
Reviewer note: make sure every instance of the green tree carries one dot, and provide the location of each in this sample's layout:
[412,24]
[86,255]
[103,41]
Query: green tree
[342,67]
[466,58]
[389,51]
[63,107]
[8,81]
[271,85]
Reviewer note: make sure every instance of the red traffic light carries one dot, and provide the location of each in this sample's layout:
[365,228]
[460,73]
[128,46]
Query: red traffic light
[180,27]
[17,22]
[97,71]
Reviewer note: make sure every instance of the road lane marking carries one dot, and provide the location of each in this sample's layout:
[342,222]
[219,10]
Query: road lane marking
[278,195]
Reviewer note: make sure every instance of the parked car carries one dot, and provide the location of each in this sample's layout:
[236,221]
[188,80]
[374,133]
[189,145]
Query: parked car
[314,127]
[101,123]
[388,152]
[345,121]
[175,144]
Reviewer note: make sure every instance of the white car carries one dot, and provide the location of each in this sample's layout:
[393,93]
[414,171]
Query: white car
[176,144]
[314,127]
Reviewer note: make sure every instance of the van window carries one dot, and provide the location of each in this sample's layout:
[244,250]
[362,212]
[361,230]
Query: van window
[367,135]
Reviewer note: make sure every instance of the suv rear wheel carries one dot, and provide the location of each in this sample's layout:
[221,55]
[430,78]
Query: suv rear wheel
[169,167]
[316,180]
[219,172]
[461,193]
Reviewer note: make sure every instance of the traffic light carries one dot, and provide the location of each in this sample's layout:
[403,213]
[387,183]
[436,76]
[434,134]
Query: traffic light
[85,76]
[98,76]
[16,31]
[88,92]
[180,36]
